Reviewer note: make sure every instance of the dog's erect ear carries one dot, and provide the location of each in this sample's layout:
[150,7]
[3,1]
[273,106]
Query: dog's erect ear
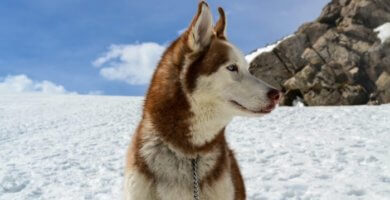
[201,28]
[220,27]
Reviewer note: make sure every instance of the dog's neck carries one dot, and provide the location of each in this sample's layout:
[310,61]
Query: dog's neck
[208,121]
[198,134]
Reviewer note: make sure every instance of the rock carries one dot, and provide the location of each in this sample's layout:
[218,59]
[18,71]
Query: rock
[386,63]
[354,73]
[313,57]
[336,60]
[371,13]
[373,59]
[289,52]
[346,95]
[358,32]
[312,31]
[303,80]
[344,2]
[322,97]
[383,85]
[269,68]
[331,49]
[353,95]
[330,13]
[338,72]
[325,78]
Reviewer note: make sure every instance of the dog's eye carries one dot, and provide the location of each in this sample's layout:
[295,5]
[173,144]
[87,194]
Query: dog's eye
[232,68]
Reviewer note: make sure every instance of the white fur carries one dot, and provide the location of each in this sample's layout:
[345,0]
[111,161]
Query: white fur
[246,89]
[223,189]
[137,186]
[202,31]
[222,86]
[173,172]
[209,120]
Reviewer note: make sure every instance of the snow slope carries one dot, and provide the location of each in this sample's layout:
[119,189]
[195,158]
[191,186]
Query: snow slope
[249,58]
[72,147]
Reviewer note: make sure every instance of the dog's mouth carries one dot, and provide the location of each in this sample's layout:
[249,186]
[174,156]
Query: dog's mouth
[269,108]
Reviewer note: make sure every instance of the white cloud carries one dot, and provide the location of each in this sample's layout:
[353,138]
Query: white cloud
[23,84]
[132,63]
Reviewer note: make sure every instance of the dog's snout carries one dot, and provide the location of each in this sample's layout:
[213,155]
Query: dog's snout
[273,94]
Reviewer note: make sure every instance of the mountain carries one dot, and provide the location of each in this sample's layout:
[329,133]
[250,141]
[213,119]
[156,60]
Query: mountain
[341,58]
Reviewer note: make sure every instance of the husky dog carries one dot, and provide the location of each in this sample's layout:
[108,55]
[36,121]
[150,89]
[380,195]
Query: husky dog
[200,84]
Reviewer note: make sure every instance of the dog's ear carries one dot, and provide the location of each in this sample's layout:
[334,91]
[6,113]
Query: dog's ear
[220,27]
[201,28]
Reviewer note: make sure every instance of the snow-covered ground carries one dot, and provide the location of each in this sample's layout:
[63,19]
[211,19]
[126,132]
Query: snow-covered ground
[72,147]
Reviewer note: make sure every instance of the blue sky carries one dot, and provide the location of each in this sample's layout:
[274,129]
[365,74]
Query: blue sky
[60,41]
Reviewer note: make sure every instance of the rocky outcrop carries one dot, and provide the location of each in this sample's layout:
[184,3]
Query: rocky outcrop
[335,60]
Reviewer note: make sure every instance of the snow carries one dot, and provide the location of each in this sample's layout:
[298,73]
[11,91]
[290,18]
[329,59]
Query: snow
[259,51]
[267,48]
[383,32]
[72,147]
[298,102]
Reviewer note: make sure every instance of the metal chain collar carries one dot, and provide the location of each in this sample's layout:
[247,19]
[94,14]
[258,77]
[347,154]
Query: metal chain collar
[195,178]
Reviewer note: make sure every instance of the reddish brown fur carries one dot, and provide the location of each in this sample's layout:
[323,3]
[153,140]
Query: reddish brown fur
[169,109]
[221,25]
[222,161]
[134,157]
[208,62]
[238,181]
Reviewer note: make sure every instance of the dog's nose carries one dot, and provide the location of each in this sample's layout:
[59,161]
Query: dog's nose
[273,94]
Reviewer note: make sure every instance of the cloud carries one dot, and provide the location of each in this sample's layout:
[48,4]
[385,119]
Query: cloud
[132,63]
[23,84]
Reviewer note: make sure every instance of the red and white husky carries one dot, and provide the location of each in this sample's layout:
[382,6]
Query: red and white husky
[199,85]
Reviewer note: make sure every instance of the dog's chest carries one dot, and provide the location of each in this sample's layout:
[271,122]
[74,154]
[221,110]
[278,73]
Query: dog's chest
[171,167]
[174,173]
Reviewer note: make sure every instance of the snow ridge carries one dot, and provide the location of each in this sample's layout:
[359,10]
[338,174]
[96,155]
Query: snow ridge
[267,48]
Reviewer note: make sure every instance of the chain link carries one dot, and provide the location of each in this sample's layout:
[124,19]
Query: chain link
[195,177]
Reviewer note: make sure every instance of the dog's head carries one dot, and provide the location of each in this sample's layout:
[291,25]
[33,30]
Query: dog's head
[216,72]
